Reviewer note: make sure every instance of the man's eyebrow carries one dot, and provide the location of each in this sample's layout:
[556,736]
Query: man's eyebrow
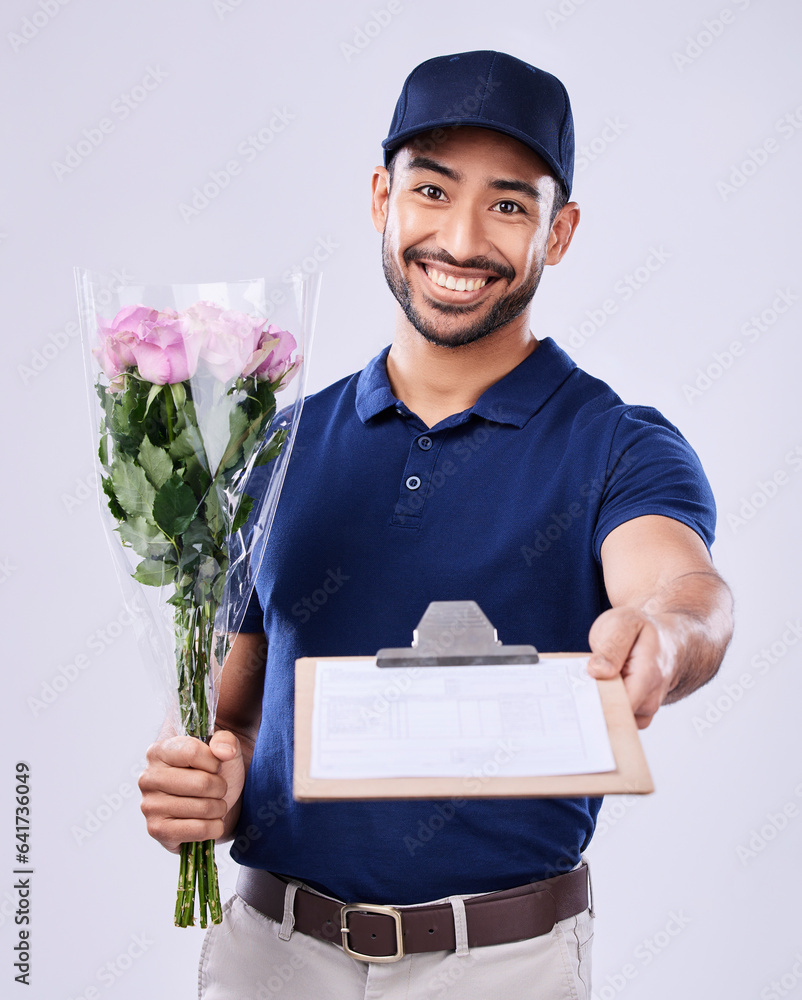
[427,163]
[498,184]
[523,187]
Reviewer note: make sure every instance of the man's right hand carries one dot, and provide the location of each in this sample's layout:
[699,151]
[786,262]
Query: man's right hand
[189,788]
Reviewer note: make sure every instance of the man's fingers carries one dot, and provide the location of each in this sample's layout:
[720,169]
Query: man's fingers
[624,641]
[183,751]
[171,807]
[225,746]
[644,695]
[611,637]
[172,833]
[186,781]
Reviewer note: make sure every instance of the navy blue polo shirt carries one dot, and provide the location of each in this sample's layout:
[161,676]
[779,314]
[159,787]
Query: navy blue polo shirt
[507,504]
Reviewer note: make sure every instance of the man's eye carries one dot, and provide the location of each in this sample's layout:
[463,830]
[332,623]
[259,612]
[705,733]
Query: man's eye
[509,207]
[432,191]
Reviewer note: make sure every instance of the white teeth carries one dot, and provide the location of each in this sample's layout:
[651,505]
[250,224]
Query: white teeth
[458,284]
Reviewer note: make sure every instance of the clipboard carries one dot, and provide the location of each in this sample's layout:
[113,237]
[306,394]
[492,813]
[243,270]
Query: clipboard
[472,640]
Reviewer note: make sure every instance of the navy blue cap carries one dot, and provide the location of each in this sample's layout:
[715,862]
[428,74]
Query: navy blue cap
[491,90]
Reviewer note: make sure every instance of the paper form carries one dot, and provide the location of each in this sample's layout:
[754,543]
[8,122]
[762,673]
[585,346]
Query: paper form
[513,720]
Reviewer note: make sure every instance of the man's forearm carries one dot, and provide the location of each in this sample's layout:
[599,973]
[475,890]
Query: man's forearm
[695,612]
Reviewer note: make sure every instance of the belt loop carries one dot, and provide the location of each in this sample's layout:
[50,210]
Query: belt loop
[460,925]
[287,925]
[583,859]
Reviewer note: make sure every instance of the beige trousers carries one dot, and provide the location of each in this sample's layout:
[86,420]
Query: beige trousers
[245,958]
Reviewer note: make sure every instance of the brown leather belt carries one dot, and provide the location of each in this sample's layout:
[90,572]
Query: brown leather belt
[374,933]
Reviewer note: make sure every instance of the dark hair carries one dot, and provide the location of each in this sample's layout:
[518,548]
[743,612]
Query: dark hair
[560,201]
[560,197]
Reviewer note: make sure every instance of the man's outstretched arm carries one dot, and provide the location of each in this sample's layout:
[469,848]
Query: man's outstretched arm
[671,616]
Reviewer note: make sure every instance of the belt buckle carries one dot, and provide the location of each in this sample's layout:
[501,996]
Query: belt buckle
[388,911]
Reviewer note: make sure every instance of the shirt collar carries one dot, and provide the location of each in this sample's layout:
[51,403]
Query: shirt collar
[513,400]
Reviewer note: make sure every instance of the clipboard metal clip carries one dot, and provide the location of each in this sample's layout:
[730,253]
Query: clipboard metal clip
[454,633]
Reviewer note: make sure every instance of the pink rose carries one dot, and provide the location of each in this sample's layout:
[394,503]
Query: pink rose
[228,338]
[271,360]
[167,351]
[117,338]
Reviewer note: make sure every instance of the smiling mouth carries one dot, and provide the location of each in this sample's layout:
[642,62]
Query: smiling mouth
[450,281]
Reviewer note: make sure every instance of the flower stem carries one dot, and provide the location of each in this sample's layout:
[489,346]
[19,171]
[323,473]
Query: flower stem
[168,409]
[194,628]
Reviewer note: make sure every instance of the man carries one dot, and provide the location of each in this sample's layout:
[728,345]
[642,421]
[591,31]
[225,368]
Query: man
[468,461]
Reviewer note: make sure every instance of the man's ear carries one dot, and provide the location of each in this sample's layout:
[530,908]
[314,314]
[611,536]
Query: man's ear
[379,197]
[562,232]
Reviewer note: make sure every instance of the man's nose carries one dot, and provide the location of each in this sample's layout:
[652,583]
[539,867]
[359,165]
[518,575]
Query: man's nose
[463,233]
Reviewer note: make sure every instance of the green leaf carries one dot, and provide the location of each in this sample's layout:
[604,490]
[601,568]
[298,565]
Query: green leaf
[195,476]
[237,430]
[214,514]
[209,579]
[103,448]
[132,488]
[190,557]
[154,392]
[156,462]
[244,510]
[266,397]
[198,537]
[208,569]
[179,394]
[154,572]
[218,586]
[196,542]
[144,538]
[184,444]
[174,507]
[188,443]
[121,418]
[272,448]
[237,422]
[251,443]
[113,502]
[134,399]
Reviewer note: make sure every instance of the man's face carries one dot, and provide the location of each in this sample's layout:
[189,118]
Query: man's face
[466,233]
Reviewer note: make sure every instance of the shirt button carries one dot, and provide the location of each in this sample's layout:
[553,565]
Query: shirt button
[413,483]
[424,443]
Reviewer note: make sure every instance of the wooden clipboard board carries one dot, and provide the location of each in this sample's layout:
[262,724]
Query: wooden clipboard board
[631,775]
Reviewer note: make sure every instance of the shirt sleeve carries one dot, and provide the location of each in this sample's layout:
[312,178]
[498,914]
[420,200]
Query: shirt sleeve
[253,617]
[652,469]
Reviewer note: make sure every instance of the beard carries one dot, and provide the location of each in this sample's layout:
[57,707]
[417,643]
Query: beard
[503,310]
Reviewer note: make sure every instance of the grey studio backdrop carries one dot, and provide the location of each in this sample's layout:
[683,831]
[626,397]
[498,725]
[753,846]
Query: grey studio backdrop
[682,289]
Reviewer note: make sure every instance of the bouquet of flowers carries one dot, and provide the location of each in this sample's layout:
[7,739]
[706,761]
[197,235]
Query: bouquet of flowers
[185,380]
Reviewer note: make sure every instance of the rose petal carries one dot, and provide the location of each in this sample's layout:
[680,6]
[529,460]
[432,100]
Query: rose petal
[153,363]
